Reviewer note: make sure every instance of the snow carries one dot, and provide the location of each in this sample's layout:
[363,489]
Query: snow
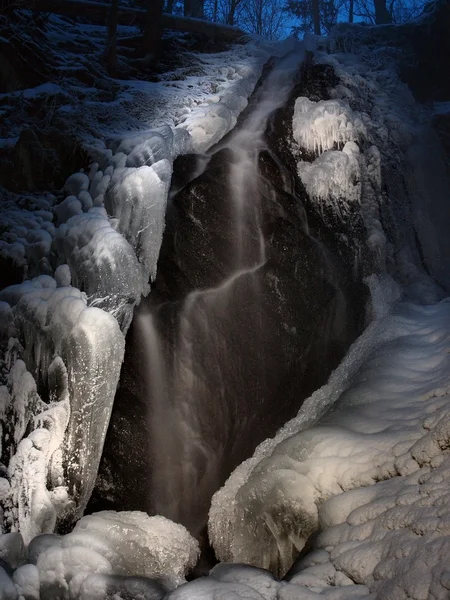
[108,554]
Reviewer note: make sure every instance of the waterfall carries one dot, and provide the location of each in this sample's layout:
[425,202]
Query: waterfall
[190,468]
[248,315]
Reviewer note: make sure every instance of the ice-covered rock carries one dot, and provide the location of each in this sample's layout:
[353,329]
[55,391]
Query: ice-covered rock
[334,179]
[210,589]
[136,544]
[7,328]
[62,571]
[259,579]
[69,207]
[8,590]
[102,264]
[325,125]
[12,549]
[26,580]
[77,352]
[112,587]
[41,543]
[137,199]
[76,183]
[63,277]
[264,514]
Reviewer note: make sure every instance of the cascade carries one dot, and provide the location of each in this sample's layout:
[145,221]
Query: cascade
[248,314]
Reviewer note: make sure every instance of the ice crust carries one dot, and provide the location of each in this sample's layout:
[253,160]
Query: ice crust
[325,125]
[70,346]
[108,555]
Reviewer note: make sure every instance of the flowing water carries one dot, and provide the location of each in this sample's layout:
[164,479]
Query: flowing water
[190,390]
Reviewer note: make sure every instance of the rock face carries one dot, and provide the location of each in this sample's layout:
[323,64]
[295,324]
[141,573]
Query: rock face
[218,359]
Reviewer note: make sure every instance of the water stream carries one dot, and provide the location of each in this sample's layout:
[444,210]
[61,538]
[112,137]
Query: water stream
[248,315]
[190,469]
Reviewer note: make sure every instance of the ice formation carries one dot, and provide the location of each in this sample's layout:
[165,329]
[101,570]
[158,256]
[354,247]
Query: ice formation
[102,264]
[325,125]
[137,199]
[108,554]
[334,178]
[70,346]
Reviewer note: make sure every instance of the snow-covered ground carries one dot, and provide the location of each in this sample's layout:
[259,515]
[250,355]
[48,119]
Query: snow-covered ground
[364,464]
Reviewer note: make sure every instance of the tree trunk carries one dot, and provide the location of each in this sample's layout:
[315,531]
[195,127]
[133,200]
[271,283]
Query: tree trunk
[382,15]
[169,7]
[351,11]
[193,8]
[97,12]
[316,16]
[111,38]
[153,29]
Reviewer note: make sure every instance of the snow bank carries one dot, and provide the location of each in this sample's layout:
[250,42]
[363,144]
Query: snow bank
[372,433]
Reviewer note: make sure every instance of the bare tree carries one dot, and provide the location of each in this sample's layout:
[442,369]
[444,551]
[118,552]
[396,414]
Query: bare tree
[193,8]
[264,17]
[316,16]
[382,15]
[153,28]
[387,11]
[111,38]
